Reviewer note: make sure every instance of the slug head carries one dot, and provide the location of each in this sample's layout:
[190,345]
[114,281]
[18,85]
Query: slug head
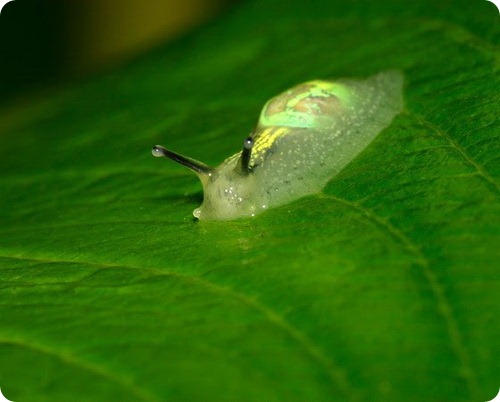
[229,191]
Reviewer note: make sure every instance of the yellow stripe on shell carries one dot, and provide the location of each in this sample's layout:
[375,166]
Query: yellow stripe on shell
[265,140]
[262,142]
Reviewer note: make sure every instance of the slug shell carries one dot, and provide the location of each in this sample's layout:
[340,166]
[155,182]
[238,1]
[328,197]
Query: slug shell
[304,137]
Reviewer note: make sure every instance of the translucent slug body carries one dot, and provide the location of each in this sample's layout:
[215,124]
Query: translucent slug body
[304,137]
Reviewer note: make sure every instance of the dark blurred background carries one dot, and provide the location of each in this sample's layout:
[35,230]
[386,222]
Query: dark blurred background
[43,42]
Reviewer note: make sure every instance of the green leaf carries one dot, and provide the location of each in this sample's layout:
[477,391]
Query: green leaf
[383,287]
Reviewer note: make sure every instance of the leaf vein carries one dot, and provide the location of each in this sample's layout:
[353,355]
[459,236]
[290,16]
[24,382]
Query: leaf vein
[69,359]
[443,306]
[333,370]
[492,184]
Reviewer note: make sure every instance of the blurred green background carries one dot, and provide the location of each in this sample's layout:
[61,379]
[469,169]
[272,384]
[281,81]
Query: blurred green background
[44,42]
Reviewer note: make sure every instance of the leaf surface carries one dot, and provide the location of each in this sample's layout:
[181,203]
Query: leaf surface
[381,288]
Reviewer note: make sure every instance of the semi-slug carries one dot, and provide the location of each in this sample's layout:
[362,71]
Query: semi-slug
[304,137]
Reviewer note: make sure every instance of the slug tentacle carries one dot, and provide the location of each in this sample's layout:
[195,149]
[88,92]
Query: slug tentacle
[196,166]
[304,137]
[246,154]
